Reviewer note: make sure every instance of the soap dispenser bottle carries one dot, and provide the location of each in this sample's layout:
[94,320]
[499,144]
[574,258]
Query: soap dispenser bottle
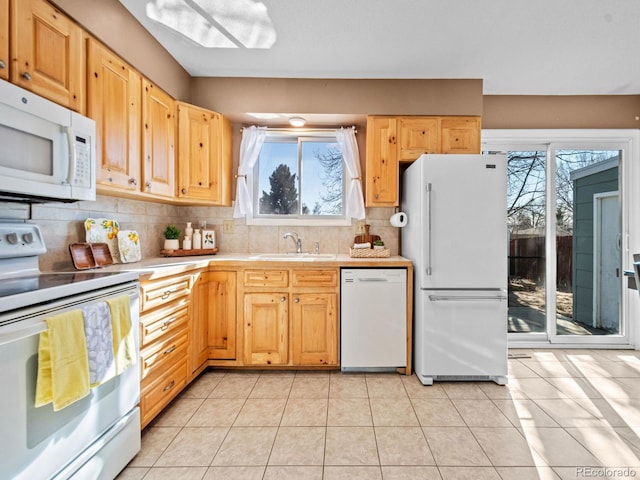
[197,239]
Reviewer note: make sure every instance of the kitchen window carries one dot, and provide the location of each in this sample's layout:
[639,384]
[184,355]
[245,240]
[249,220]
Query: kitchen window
[299,179]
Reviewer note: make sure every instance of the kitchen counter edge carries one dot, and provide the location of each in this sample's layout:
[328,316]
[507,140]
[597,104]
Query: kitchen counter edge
[175,265]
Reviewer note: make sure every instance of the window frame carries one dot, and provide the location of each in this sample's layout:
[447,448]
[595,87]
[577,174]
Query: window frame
[626,140]
[301,220]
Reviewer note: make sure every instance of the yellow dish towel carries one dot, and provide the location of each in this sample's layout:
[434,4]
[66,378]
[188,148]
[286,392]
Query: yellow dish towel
[63,367]
[124,351]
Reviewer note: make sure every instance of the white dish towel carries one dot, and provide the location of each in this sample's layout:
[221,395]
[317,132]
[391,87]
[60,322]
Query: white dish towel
[99,335]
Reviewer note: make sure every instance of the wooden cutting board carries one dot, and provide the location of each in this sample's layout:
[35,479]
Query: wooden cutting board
[366,237]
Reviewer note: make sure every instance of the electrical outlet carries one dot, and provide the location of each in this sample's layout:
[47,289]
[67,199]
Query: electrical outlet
[228,226]
[359,227]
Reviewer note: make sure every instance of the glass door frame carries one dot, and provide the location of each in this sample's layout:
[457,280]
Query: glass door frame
[628,143]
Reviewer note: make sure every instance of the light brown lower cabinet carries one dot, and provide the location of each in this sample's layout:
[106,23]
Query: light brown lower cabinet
[290,317]
[266,328]
[165,337]
[273,317]
[314,329]
[222,315]
[199,332]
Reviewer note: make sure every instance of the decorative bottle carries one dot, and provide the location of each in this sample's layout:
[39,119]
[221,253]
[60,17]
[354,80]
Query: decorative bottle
[197,239]
[188,232]
[186,243]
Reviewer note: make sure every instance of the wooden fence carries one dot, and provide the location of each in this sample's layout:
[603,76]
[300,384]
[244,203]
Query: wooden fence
[527,260]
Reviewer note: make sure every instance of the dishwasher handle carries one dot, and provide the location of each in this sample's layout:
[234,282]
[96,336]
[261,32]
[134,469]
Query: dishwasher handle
[466,298]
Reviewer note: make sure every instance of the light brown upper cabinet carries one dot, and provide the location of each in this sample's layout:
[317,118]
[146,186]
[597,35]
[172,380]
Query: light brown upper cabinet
[114,102]
[460,134]
[158,133]
[47,53]
[204,156]
[391,140]
[4,39]
[382,162]
[417,136]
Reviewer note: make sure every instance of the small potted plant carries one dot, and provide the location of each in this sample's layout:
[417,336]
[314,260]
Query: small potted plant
[378,245]
[171,238]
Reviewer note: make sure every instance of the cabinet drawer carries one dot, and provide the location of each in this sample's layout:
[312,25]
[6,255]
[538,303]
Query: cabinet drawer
[163,321]
[158,357]
[163,291]
[315,278]
[159,393]
[266,278]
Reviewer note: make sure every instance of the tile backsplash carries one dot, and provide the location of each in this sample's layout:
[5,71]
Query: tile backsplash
[63,224]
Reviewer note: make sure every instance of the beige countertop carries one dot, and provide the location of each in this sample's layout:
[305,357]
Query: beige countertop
[242,260]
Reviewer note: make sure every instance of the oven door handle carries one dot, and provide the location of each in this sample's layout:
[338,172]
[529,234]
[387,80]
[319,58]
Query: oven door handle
[10,335]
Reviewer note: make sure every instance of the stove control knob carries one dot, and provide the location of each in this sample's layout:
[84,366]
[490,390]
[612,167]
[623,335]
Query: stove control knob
[12,238]
[28,237]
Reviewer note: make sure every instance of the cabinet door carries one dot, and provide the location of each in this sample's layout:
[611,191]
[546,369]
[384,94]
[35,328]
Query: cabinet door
[381,162]
[266,328]
[198,162]
[158,116]
[460,135]
[114,97]
[417,136]
[4,39]
[224,141]
[222,315]
[47,53]
[314,329]
[199,341]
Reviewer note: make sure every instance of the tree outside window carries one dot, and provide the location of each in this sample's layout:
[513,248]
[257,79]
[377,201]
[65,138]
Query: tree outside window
[300,177]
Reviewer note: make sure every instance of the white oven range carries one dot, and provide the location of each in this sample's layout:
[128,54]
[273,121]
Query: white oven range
[93,438]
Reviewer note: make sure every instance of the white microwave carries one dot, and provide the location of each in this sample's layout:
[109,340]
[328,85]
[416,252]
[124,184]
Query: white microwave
[47,152]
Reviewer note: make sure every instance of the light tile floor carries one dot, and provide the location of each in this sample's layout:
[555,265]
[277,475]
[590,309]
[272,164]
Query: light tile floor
[566,414]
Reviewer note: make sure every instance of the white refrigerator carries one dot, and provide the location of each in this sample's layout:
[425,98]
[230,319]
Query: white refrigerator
[456,236]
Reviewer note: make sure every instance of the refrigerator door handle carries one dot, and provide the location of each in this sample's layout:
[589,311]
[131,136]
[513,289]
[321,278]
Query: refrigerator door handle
[466,298]
[428,231]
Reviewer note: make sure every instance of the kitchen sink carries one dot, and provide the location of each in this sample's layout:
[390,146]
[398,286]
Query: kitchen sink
[294,257]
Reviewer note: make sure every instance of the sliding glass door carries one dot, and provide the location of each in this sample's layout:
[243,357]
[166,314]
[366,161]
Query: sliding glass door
[565,210]
[588,235]
[527,221]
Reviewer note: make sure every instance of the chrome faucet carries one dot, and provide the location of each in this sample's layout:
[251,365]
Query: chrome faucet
[296,240]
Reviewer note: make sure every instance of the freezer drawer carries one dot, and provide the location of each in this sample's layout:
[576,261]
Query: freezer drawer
[461,335]
[373,317]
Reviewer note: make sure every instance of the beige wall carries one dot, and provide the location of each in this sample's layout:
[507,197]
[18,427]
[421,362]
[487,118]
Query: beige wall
[578,111]
[236,96]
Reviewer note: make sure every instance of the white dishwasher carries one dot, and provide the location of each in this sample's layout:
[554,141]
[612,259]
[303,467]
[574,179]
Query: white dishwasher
[373,319]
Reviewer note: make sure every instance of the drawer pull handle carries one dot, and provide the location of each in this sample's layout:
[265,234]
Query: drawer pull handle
[170,386]
[297,300]
[167,322]
[169,350]
[167,294]
[283,299]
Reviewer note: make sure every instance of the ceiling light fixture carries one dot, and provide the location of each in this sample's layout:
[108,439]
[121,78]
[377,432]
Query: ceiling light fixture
[297,121]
